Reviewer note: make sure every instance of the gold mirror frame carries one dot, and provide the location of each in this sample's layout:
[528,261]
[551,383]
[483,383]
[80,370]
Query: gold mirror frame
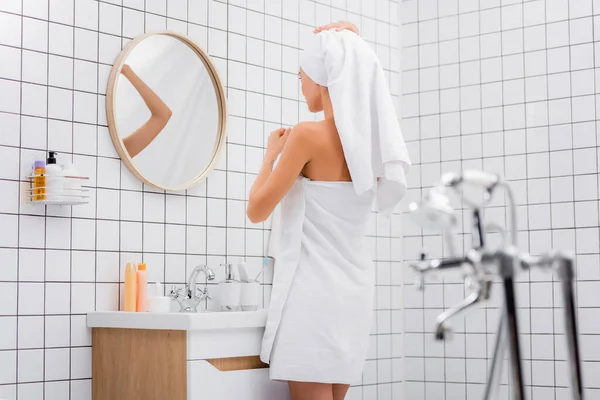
[111,101]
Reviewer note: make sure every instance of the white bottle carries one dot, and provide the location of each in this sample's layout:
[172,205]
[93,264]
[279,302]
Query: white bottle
[53,178]
[229,290]
[157,303]
[71,186]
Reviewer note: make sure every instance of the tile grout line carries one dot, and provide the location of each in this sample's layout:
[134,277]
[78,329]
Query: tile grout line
[421,294]
[462,225]
[71,210]
[445,394]
[45,208]
[553,291]
[18,260]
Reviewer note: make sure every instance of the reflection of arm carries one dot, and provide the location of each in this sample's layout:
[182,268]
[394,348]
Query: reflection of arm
[143,136]
[339,26]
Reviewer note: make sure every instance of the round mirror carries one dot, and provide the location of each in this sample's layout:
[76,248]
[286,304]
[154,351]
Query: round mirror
[166,110]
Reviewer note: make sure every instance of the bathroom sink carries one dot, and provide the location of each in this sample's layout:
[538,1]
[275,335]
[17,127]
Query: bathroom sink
[204,355]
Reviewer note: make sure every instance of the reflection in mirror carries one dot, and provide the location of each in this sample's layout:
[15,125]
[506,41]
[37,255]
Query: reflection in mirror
[166,110]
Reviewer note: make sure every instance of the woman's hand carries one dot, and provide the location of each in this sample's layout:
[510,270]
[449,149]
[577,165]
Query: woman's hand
[339,26]
[277,140]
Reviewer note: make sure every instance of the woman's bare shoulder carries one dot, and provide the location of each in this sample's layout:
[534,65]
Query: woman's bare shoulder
[309,128]
[320,138]
[306,126]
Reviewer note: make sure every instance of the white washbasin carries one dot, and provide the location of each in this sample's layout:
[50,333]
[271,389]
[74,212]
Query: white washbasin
[201,321]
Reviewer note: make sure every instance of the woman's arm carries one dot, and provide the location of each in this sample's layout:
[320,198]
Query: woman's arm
[143,136]
[271,185]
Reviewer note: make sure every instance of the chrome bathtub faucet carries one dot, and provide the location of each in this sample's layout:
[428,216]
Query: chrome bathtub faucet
[481,265]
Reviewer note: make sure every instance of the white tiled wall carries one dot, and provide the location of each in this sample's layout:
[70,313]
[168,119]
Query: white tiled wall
[507,86]
[56,264]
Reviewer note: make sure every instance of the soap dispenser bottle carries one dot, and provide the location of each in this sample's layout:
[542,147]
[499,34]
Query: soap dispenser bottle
[53,180]
[229,290]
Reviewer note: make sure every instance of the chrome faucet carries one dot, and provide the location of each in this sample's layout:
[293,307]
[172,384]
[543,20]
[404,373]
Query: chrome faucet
[188,298]
[481,264]
[477,280]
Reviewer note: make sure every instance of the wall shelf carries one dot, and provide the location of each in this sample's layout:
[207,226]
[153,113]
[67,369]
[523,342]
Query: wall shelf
[61,195]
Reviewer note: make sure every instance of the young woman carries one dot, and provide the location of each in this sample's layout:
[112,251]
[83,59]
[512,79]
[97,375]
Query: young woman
[327,178]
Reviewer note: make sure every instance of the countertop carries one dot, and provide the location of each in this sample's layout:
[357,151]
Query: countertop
[202,321]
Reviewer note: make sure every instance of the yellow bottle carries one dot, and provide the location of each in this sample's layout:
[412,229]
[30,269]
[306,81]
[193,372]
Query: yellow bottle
[39,181]
[130,296]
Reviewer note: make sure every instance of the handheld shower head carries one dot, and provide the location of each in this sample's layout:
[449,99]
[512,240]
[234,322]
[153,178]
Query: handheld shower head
[434,212]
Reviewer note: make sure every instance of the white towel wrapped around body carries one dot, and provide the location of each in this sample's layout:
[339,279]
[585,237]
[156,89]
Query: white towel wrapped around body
[320,314]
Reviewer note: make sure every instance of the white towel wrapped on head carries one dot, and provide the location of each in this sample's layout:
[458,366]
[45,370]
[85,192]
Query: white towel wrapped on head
[364,113]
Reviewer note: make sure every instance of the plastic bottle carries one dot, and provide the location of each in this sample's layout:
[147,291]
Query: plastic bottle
[39,181]
[142,288]
[53,178]
[129,302]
